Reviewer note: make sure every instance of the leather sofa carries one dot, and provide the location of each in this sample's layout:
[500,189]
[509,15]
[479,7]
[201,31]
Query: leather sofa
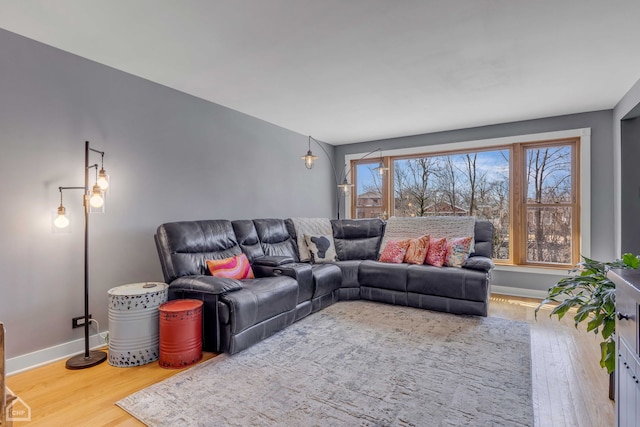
[239,313]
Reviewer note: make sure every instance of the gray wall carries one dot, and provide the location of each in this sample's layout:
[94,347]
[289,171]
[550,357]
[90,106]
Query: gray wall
[174,157]
[171,157]
[602,175]
[626,127]
[630,189]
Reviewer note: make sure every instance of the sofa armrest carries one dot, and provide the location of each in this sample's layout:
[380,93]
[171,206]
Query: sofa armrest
[479,263]
[297,270]
[204,284]
[301,272]
[208,289]
[273,261]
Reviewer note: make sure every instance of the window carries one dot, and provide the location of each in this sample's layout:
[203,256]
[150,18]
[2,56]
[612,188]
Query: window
[549,204]
[369,193]
[528,190]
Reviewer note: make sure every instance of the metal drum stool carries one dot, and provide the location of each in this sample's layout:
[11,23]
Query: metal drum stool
[180,333]
[133,323]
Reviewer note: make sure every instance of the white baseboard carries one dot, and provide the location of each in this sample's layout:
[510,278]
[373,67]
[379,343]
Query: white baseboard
[519,292]
[47,355]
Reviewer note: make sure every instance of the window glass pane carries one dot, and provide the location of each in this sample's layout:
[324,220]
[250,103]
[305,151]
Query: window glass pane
[549,174]
[475,183]
[549,235]
[369,191]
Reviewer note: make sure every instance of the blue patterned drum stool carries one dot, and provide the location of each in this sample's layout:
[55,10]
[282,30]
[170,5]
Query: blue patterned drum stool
[133,323]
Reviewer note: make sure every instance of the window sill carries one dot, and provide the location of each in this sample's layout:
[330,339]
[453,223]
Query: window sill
[532,270]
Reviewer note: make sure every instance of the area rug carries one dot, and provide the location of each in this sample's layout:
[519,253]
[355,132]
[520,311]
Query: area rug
[357,363]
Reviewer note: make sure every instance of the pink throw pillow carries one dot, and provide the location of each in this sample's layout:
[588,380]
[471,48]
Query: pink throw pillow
[437,252]
[457,251]
[394,251]
[236,267]
[417,250]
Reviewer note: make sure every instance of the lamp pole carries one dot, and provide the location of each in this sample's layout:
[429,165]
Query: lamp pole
[90,357]
[335,174]
[309,158]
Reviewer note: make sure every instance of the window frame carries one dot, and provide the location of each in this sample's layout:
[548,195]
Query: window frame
[520,203]
[580,183]
[353,197]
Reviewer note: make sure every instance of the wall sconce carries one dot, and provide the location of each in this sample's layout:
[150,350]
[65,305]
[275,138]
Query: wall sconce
[343,184]
[93,197]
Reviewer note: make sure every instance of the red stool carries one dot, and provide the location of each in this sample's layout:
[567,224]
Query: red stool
[180,333]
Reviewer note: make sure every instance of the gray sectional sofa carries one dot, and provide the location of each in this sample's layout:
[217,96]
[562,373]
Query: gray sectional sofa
[239,313]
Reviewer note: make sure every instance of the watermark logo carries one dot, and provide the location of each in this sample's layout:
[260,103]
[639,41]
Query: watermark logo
[18,410]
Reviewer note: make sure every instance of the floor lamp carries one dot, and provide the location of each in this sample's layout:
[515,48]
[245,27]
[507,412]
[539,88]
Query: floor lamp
[92,198]
[341,180]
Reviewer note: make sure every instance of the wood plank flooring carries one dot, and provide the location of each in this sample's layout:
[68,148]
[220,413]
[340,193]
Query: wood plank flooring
[569,387]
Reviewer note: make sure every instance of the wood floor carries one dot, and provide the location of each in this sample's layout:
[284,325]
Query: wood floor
[569,387]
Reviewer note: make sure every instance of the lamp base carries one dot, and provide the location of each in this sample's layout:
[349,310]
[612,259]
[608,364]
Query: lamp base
[96,357]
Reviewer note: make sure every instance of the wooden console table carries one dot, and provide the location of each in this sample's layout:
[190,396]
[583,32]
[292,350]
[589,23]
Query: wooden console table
[628,346]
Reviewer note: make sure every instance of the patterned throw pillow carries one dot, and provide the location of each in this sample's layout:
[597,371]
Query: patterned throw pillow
[322,248]
[394,251]
[458,251]
[236,267]
[417,250]
[437,252]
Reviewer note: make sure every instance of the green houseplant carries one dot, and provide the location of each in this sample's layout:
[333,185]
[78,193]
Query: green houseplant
[593,295]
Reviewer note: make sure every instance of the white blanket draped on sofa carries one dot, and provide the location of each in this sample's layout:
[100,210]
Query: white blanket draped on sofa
[400,228]
[311,226]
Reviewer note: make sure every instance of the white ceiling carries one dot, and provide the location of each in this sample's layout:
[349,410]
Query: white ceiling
[346,71]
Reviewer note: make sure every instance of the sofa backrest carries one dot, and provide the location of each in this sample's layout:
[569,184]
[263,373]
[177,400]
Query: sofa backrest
[275,238]
[483,237]
[185,246]
[361,238]
[357,238]
[247,237]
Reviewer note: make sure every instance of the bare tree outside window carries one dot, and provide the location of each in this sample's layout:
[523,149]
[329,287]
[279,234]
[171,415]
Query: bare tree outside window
[535,217]
[549,190]
[475,183]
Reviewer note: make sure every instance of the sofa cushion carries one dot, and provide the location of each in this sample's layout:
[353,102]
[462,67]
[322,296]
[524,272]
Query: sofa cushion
[349,270]
[326,279]
[458,283]
[263,299]
[321,248]
[300,271]
[357,239]
[375,274]
[236,267]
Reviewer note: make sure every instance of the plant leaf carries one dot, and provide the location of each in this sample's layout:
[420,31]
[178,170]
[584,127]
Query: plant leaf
[631,260]
[609,328]
[608,355]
